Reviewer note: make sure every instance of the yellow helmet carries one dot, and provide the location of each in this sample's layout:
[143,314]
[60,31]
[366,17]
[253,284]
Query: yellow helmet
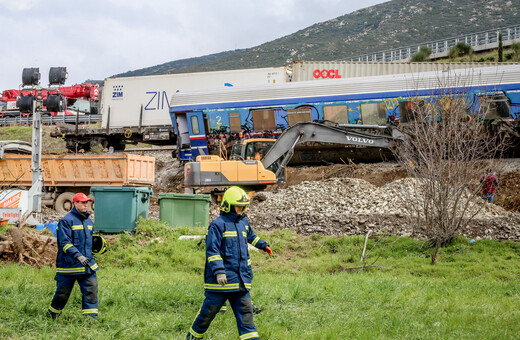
[234,196]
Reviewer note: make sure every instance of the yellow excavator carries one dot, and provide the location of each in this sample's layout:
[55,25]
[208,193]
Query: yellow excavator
[246,169]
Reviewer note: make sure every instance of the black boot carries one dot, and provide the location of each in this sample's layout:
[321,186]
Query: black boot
[52,315]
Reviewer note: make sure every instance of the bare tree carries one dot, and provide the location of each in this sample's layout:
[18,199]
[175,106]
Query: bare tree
[447,149]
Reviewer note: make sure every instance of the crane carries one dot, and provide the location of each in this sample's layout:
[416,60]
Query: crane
[78,91]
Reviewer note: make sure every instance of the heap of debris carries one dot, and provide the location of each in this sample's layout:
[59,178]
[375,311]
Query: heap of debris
[354,206]
[28,246]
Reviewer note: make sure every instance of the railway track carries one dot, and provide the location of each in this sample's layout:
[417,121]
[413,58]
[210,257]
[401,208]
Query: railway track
[51,120]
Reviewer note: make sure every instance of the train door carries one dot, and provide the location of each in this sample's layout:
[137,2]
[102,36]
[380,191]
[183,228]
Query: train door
[197,134]
[183,136]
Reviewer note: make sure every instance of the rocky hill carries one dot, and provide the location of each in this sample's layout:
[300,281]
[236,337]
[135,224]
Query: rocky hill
[391,24]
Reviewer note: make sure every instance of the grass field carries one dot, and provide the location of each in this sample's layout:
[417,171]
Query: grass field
[24,133]
[151,288]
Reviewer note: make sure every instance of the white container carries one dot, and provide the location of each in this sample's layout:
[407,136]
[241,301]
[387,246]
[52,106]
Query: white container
[127,97]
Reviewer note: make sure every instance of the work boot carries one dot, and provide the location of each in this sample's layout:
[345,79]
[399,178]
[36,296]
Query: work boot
[52,315]
[190,337]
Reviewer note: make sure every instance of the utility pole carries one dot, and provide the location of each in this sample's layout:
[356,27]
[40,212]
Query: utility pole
[33,103]
[35,192]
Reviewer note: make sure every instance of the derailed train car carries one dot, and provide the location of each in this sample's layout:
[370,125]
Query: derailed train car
[204,121]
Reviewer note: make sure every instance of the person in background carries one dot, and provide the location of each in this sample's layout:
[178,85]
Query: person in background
[489,183]
[228,273]
[74,261]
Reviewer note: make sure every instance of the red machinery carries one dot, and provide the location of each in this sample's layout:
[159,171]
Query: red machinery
[78,91]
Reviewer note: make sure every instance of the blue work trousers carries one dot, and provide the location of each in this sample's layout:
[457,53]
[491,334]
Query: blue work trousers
[242,307]
[88,286]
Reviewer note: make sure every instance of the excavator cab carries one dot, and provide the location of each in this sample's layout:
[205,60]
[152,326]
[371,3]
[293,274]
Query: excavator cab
[251,149]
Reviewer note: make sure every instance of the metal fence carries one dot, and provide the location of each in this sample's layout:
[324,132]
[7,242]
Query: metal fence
[83,119]
[478,41]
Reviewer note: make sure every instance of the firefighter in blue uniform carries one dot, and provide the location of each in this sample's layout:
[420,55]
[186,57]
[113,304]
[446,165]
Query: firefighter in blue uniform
[228,273]
[74,261]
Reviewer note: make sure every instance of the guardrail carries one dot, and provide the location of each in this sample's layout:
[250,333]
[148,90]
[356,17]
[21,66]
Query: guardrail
[479,41]
[51,120]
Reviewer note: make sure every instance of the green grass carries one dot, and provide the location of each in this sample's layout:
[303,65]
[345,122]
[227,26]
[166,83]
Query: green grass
[486,56]
[151,288]
[24,133]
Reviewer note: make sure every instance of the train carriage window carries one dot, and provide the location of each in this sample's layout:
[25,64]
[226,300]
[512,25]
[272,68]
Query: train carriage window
[195,125]
[451,107]
[336,113]
[263,120]
[373,114]
[494,106]
[234,122]
[410,110]
[302,114]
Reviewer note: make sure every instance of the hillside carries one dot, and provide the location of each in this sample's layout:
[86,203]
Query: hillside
[177,65]
[391,24]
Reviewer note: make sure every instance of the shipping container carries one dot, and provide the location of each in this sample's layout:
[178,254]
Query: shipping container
[144,101]
[319,70]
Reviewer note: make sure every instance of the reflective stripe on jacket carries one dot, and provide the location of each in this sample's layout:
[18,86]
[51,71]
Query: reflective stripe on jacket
[74,239]
[226,252]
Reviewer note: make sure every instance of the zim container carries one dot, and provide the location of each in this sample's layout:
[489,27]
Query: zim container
[184,210]
[117,209]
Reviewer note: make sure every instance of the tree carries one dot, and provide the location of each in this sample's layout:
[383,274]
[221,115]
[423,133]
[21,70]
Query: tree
[422,55]
[500,48]
[446,151]
[460,50]
[516,51]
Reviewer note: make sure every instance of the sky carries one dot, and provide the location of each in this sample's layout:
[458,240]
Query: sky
[96,39]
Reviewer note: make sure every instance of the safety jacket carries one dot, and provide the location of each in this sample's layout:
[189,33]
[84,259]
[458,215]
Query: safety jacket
[74,239]
[226,252]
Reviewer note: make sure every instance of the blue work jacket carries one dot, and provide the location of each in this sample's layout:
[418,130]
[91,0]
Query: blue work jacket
[74,239]
[226,252]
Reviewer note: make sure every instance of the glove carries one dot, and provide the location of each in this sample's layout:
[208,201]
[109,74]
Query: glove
[83,260]
[268,250]
[221,279]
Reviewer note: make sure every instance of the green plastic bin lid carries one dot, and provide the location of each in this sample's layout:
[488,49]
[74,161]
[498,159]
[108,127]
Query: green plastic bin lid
[135,189]
[173,195]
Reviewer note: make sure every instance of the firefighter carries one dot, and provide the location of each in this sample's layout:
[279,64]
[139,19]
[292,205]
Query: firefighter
[74,261]
[228,273]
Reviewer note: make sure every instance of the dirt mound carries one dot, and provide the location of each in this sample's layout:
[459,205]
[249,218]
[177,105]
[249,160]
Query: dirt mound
[355,198]
[29,247]
[377,174]
[508,191]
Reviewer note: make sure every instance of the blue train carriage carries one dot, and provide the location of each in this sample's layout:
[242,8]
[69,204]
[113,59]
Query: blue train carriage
[205,121]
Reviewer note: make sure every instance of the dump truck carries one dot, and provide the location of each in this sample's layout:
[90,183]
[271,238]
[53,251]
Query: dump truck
[216,174]
[65,175]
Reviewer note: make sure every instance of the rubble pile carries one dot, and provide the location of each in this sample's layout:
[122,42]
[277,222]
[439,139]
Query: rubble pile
[354,206]
[25,246]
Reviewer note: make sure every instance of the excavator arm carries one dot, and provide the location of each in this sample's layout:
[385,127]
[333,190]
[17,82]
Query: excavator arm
[281,152]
